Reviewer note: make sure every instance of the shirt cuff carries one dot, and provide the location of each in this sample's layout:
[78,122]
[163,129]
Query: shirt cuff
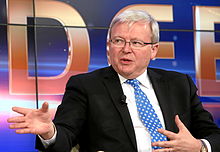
[47,143]
[207,145]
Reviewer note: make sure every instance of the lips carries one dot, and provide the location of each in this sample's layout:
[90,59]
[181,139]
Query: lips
[125,60]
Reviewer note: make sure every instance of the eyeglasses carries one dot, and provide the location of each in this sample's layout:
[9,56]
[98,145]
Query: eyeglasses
[120,42]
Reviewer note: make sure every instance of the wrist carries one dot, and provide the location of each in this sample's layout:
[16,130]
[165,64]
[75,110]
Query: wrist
[50,133]
[203,146]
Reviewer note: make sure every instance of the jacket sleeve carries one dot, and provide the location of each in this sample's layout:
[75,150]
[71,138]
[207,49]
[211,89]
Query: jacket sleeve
[202,125]
[69,118]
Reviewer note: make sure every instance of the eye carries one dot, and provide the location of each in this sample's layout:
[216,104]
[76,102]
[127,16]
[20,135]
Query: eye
[137,43]
[118,41]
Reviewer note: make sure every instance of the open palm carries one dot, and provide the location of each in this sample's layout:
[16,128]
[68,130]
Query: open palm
[34,121]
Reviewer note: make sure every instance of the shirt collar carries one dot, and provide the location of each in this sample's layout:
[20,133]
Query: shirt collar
[143,79]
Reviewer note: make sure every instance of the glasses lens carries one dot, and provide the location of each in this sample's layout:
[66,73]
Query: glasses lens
[118,42]
[136,43]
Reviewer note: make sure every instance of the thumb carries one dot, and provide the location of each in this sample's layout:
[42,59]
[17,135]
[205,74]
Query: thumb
[179,123]
[45,107]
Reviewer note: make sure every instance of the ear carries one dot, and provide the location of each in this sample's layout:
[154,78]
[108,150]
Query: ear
[154,50]
[107,52]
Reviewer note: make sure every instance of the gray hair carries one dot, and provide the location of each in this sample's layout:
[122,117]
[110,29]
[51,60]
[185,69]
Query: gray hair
[132,16]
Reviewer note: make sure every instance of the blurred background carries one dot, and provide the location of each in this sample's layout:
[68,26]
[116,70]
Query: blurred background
[44,42]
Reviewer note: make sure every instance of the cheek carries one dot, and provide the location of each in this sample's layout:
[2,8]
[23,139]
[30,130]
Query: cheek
[143,59]
[142,56]
[113,53]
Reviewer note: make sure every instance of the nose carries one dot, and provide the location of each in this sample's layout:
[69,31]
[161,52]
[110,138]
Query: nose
[127,47]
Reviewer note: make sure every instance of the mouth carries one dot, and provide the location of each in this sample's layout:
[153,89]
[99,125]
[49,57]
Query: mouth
[125,60]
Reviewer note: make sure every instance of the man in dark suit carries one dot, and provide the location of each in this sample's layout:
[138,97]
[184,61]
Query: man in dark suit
[100,110]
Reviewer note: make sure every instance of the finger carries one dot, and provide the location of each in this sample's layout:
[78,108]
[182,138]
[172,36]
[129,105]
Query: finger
[17,119]
[165,144]
[21,110]
[168,134]
[45,107]
[164,150]
[179,123]
[18,125]
[24,131]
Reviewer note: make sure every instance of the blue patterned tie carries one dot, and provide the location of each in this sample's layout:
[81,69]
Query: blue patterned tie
[147,113]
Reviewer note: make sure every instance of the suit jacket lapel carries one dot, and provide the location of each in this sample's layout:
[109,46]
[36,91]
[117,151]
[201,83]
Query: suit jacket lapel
[161,88]
[112,83]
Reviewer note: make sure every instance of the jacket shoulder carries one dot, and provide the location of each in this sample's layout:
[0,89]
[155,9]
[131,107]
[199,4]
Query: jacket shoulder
[93,76]
[167,74]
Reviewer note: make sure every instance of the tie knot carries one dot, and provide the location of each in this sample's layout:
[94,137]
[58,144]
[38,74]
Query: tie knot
[133,82]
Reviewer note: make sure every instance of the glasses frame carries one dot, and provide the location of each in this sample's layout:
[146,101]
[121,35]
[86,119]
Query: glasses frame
[130,44]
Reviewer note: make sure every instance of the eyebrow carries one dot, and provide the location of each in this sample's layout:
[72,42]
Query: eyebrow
[130,39]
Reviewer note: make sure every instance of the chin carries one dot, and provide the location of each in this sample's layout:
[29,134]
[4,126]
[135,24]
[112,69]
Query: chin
[126,74]
[125,70]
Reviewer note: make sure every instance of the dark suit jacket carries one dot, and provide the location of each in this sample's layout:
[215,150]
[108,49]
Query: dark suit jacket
[93,116]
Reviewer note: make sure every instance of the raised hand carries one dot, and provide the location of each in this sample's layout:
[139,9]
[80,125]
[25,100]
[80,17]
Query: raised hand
[34,121]
[183,141]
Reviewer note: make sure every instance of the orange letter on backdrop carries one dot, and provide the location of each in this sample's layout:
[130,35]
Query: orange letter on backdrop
[206,50]
[79,53]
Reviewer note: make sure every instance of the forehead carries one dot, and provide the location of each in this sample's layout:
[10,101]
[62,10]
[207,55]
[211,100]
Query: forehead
[131,29]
